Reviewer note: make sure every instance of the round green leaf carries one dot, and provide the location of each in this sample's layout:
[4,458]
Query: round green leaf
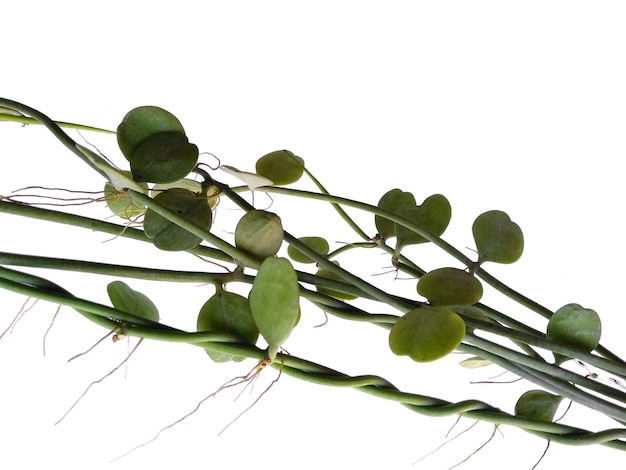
[281,166]
[538,404]
[427,333]
[227,312]
[142,122]
[317,244]
[433,215]
[163,158]
[129,300]
[259,233]
[120,203]
[169,236]
[274,301]
[392,201]
[497,238]
[450,286]
[575,326]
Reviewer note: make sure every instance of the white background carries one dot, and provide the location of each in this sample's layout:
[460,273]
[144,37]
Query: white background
[517,106]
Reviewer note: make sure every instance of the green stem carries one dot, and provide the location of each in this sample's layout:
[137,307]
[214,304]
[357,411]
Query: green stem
[338,208]
[52,127]
[97,225]
[6,116]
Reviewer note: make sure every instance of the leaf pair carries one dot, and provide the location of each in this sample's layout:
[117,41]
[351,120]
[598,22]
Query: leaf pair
[433,216]
[272,309]
[154,142]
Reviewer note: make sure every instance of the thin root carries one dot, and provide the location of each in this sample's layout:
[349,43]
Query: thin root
[449,440]
[96,344]
[325,320]
[254,402]
[251,375]
[23,309]
[99,380]
[545,451]
[495,429]
[45,336]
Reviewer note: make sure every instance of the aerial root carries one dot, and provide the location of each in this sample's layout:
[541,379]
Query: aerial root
[45,336]
[449,440]
[20,314]
[247,379]
[495,429]
[99,380]
[112,332]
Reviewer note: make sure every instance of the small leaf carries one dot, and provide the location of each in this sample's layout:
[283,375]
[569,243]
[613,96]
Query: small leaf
[252,180]
[450,286]
[427,333]
[129,300]
[317,244]
[433,215]
[142,122]
[497,238]
[274,301]
[167,235]
[121,204]
[163,158]
[259,233]
[538,404]
[575,326]
[226,312]
[392,201]
[282,167]
[475,362]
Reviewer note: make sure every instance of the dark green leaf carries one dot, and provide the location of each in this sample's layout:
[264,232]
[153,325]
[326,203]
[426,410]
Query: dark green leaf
[129,300]
[167,235]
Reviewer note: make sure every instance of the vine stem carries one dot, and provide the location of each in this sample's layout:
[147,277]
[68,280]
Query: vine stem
[7,114]
[529,365]
[306,370]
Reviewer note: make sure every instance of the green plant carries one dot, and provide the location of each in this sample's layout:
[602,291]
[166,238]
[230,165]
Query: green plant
[179,215]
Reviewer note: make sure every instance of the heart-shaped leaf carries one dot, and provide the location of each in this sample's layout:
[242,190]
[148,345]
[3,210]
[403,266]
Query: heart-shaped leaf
[281,166]
[167,235]
[433,215]
[427,333]
[275,301]
[497,238]
[142,122]
[129,300]
[450,286]
[391,201]
[538,404]
[227,312]
[317,244]
[259,233]
[575,326]
[163,158]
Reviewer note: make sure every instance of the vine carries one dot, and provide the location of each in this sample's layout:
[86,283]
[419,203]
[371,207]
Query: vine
[159,200]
